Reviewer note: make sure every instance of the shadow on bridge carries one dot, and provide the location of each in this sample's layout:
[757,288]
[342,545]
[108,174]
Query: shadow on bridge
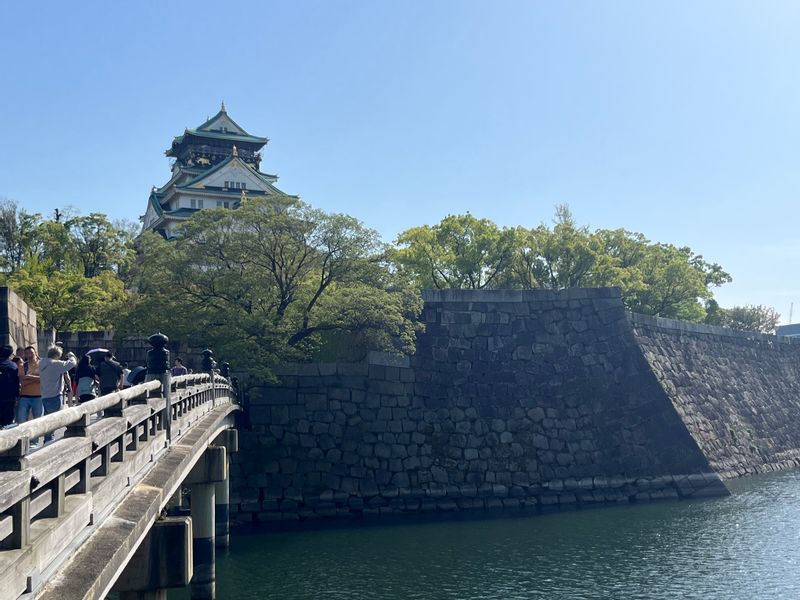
[85,515]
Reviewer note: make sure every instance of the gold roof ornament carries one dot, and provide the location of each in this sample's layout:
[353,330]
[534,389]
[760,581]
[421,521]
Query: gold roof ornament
[235,151]
[243,197]
[222,107]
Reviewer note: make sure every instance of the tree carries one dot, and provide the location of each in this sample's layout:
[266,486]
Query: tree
[66,268]
[66,300]
[461,251]
[18,229]
[100,245]
[566,254]
[268,281]
[675,282]
[762,319]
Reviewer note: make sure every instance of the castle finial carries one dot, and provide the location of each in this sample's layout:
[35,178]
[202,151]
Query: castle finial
[235,151]
[222,107]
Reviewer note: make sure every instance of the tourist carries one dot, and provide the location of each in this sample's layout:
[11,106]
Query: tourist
[125,372]
[86,375]
[51,373]
[9,386]
[179,368]
[30,396]
[110,373]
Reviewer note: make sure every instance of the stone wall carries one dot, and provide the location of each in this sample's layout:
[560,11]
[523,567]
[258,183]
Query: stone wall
[17,320]
[738,393]
[514,399]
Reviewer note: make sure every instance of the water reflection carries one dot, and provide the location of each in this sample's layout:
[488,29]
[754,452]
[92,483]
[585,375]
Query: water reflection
[743,546]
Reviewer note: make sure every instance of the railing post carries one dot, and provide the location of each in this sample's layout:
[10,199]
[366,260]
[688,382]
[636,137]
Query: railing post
[158,370]
[21,523]
[79,429]
[57,491]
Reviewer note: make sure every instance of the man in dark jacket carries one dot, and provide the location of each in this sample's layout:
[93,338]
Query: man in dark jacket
[110,373]
[9,385]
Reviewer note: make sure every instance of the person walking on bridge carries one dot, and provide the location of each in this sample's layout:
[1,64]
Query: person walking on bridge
[110,373]
[9,385]
[51,373]
[179,368]
[30,395]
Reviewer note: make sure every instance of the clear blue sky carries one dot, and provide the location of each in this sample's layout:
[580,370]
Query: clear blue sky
[677,119]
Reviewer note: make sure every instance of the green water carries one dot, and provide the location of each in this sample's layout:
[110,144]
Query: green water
[743,546]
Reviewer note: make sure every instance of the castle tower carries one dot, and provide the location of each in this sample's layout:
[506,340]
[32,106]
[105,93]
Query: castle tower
[213,166]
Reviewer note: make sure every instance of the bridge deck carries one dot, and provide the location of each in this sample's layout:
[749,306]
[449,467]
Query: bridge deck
[73,513]
[92,570]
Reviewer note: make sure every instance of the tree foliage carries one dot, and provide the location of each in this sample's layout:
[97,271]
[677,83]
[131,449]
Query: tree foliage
[268,281]
[762,319]
[461,251]
[67,268]
[655,278]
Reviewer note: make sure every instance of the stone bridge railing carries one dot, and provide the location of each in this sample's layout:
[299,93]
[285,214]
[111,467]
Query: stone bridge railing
[51,497]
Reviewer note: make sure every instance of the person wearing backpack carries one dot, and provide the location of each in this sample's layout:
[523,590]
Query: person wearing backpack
[110,373]
[86,375]
[9,386]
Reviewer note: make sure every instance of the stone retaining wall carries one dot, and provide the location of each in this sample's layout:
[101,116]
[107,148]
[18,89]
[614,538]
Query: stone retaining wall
[17,320]
[737,392]
[514,399]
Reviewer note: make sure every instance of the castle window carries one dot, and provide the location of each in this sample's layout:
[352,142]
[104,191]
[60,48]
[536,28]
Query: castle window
[244,186]
[227,205]
[193,203]
[199,204]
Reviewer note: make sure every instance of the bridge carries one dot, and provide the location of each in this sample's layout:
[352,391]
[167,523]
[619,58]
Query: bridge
[100,509]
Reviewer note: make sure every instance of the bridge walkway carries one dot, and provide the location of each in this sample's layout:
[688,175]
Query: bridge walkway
[73,513]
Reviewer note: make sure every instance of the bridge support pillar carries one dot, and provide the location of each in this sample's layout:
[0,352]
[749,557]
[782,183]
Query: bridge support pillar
[163,560]
[203,586]
[230,440]
[211,469]
[221,515]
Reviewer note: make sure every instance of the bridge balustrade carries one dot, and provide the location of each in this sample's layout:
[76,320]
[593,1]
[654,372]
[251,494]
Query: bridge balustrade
[49,495]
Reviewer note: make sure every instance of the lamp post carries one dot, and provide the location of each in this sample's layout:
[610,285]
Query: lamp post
[158,369]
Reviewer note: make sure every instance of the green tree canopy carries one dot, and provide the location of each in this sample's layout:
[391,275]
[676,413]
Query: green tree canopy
[66,268]
[466,252]
[269,281]
[762,319]
[459,252]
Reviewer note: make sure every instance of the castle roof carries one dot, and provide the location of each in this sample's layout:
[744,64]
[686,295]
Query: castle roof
[220,127]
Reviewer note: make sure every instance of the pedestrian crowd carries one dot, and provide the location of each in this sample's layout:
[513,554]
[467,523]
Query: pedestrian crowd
[31,387]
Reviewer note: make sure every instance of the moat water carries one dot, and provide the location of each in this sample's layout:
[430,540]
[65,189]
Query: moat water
[744,546]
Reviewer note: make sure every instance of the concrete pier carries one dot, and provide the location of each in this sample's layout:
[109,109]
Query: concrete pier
[221,514]
[203,582]
[163,560]
[230,440]
[210,470]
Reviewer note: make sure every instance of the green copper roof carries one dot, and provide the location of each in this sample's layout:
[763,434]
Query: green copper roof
[219,135]
[262,176]
[221,112]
